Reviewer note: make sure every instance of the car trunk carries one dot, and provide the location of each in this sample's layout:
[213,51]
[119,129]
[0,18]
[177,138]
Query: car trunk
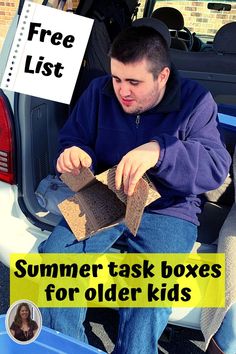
[39,121]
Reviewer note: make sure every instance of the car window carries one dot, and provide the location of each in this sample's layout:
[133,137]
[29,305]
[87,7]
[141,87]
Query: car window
[201,19]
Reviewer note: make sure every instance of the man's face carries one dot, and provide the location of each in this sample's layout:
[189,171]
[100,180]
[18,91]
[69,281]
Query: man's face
[135,87]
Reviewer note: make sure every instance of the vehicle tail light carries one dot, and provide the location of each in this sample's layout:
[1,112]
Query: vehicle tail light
[6,144]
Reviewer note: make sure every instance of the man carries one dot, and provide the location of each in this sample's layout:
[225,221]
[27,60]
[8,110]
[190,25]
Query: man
[143,118]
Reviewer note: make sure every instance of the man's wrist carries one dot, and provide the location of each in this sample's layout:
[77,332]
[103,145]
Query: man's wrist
[156,142]
[157,149]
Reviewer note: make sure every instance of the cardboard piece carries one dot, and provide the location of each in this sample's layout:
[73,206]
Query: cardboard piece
[98,205]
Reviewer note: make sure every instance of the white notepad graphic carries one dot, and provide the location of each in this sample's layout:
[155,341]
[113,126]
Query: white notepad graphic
[47,53]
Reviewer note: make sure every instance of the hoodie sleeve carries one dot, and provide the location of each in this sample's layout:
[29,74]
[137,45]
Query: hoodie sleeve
[199,162]
[81,126]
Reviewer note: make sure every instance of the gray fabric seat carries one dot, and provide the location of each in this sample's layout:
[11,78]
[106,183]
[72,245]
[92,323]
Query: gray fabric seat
[174,20]
[216,70]
[224,41]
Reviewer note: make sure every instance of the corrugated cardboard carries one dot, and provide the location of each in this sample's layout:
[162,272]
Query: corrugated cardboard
[98,205]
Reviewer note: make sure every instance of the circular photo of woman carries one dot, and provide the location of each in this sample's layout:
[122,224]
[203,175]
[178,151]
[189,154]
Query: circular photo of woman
[23,321]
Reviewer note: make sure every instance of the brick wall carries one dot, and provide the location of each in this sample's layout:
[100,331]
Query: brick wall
[198,18]
[141,8]
[7,11]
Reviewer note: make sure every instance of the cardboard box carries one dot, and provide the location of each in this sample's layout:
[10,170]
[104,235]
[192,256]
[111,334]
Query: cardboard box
[98,205]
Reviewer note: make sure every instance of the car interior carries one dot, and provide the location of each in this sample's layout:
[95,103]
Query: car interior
[220,77]
[181,37]
[215,69]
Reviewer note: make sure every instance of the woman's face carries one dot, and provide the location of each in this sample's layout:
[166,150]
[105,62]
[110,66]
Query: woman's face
[24,312]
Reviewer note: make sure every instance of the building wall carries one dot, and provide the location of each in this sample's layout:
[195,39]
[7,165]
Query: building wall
[7,11]
[198,18]
[198,21]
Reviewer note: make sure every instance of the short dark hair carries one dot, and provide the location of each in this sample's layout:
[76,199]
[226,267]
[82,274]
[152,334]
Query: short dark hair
[138,43]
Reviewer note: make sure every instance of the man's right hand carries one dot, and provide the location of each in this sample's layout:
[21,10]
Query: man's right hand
[72,160]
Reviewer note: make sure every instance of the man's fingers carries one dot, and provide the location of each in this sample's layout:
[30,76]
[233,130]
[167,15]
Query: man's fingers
[86,161]
[72,159]
[126,178]
[58,166]
[119,175]
[79,158]
[125,174]
[61,167]
[134,178]
[66,158]
[128,172]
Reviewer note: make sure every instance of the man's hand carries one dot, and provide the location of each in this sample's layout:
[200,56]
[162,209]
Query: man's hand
[72,160]
[134,164]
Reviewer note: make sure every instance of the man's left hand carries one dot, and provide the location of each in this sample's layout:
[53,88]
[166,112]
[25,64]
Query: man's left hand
[134,164]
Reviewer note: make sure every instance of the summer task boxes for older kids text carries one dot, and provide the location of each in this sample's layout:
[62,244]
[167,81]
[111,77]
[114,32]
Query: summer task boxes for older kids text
[47,53]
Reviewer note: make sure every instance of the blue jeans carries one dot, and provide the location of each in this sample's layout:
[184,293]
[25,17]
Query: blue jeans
[226,335]
[139,328]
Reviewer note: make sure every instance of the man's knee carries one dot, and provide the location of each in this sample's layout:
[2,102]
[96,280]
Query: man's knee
[60,238]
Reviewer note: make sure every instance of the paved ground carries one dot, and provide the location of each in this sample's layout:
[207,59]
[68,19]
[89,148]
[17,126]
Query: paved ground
[102,324]
[101,327]
[4,288]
